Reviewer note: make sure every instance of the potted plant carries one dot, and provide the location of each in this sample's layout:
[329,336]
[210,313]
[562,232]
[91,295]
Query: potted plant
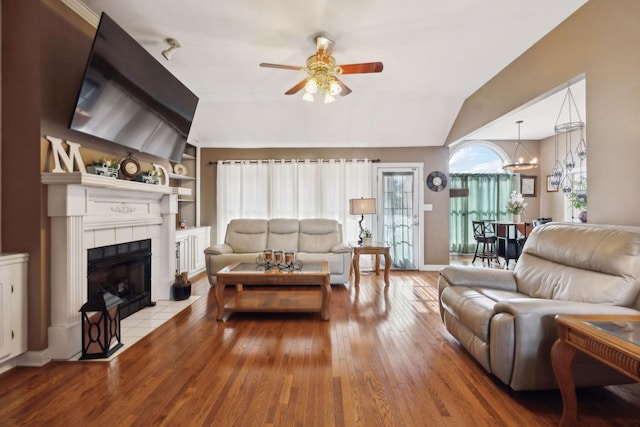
[366,236]
[516,206]
[578,200]
[181,286]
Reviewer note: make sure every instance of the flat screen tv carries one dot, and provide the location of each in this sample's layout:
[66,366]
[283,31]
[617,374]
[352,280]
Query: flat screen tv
[129,98]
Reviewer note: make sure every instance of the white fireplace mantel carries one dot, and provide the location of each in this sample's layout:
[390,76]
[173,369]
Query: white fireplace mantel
[88,211]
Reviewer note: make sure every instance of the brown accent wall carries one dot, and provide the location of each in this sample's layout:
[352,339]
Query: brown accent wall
[22,197]
[601,41]
[45,47]
[436,222]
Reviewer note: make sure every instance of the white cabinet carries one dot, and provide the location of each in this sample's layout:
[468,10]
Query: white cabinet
[13,307]
[190,246]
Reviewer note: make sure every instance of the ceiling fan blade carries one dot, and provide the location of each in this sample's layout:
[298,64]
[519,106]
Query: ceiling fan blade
[345,90]
[368,67]
[282,67]
[296,88]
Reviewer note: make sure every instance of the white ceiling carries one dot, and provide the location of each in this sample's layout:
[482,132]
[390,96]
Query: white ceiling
[436,53]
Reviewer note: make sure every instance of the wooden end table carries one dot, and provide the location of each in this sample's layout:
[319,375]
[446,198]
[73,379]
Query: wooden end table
[377,249]
[613,340]
[270,301]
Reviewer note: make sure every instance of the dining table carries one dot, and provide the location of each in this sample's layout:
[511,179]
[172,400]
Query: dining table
[510,238]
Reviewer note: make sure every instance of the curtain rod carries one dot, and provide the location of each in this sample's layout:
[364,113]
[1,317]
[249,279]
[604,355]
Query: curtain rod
[226,162]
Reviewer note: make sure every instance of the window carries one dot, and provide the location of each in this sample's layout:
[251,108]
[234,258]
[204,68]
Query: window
[477,157]
[477,166]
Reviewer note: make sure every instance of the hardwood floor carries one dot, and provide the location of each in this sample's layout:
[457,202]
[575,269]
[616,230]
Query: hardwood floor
[384,359]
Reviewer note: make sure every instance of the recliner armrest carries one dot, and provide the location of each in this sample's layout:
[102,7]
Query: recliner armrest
[219,249]
[541,307]
[341,248]
[458,275]
[535,330]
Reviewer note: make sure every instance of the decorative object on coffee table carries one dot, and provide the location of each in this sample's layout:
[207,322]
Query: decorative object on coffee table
[278,260]
[181,286]
[290,263]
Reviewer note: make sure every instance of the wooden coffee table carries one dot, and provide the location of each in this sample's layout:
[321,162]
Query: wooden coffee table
[270,301]
[613,340]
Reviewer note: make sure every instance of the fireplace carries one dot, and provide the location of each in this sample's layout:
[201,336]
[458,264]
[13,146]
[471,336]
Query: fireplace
[123,270]
[91,211]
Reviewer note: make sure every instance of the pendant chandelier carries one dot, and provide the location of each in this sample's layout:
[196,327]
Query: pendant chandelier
[561,174]
[516,163]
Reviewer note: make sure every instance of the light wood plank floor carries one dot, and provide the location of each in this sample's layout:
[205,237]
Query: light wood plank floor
[384,359]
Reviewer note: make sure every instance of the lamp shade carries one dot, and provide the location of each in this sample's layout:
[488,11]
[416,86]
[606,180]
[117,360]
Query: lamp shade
[362,206]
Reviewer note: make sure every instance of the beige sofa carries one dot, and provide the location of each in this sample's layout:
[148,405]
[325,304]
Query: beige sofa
[505,319]
[316,239]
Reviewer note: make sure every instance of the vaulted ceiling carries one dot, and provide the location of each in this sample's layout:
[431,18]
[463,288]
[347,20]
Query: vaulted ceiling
[436,53]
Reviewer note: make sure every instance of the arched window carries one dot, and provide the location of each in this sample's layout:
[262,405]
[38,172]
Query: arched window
[477,157]
[477,167]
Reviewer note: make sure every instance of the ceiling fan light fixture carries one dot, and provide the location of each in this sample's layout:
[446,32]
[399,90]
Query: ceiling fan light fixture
[323,43]
[311,86]
[322,70]
[334,88]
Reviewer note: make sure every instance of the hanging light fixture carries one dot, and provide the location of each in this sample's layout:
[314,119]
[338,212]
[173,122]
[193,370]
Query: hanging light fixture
[516,163]
[561,174]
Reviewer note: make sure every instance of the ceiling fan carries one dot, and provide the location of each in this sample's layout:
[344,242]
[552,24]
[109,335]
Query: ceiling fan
[322,70]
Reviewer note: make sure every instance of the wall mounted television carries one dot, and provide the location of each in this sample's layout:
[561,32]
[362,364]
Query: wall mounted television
[129,98]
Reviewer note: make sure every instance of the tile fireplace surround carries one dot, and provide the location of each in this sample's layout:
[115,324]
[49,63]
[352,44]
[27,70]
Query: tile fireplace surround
[88,211]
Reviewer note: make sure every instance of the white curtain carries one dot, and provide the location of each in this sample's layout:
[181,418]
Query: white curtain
[292,189]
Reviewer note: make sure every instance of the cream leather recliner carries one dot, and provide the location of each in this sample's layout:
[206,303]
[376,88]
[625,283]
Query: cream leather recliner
[505,319]
[313,239]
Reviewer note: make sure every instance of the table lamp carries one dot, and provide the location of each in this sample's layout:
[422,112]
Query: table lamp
[362,207]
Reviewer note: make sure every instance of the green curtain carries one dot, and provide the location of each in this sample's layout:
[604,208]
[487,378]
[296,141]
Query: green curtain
[488,196]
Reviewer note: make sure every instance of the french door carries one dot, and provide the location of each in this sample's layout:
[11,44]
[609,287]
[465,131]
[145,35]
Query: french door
[398,204]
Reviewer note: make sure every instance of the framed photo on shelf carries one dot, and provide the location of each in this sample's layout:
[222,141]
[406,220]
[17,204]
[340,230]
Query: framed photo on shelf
[550,188]
[528,185]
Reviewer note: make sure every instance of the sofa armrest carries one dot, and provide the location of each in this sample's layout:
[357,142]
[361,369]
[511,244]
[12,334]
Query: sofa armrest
[459,275]
[530,308]
[218,249]
[341,248]
[534,331]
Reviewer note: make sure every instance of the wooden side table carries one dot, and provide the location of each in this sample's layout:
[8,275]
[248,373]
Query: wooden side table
[377,249]
[613,340]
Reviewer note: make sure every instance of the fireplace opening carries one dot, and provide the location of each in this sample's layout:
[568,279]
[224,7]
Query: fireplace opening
[123,270]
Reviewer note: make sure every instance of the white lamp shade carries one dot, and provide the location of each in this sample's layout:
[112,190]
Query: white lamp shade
[362,206]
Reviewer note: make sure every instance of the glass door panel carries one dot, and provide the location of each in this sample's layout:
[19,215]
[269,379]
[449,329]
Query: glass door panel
[398,219]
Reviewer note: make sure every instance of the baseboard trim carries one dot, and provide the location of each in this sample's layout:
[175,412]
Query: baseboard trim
[34,358]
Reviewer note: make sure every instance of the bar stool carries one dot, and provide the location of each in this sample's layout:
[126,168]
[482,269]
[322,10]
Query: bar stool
[484,234]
